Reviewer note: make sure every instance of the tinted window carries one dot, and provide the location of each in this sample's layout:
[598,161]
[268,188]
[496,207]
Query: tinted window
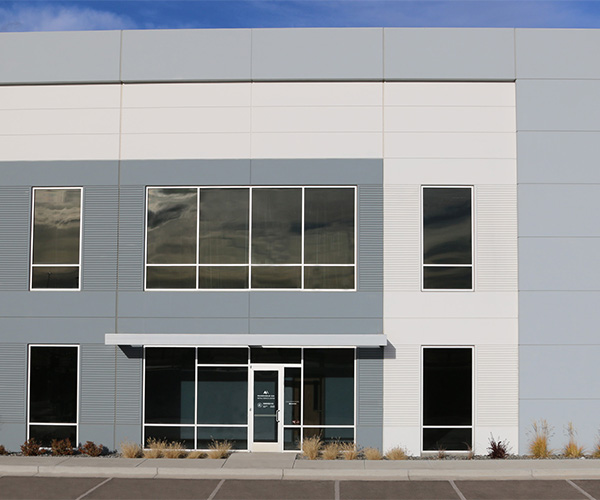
[227,356]
[222,395]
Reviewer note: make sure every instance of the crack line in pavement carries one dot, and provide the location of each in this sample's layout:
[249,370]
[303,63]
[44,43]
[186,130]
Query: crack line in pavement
[216,490]
[458,492]
[93,489]
[580,490]
[336,489]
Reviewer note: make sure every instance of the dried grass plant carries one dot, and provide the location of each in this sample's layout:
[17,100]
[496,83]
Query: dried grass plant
[596,449]
[196,454]
[219,449]
[540,438]
[372,454]
[331,451]
[349,451]
[130,450]
[175,449]
[154,448]
[572,449]
[441,453]
[311,447]
[470,452]
[396,453]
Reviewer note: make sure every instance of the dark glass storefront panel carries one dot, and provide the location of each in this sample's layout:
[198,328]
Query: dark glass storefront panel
[53,385]
[173,277]
[330,278]
[223,277]
[276,226]
[447,278]
[45,434]
[169,393]
[54,277]
[330,435]
[223,356]
[266,404]
[292,397]
[275,355]
[222,395]
[224,220]
[447,386]
[237,436]
[171,233]
[276,277]
[328,387]
[329,226]
[183,435]
[447,439]
[447,226]
[291,439]
[56,226]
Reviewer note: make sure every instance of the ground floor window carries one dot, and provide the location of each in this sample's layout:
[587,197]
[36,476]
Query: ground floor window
[256,398]
[447,398]
[53,393]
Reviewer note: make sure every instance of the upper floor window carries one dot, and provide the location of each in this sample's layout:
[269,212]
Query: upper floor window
[447,238]
[251,238]
[56,238]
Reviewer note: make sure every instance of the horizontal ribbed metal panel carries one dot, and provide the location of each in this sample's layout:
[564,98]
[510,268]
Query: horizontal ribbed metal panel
[131,238]
[129,385]
[402,238]
[370,387]
[370,238]
[13,382]
[497,386]
[496,231]
[401,386]
[100,238]
[97,384]
[15,205]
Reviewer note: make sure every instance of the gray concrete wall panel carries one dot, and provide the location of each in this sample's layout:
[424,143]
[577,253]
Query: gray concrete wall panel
[448,54]
[183,325]
[555,53]
[59,173]
[97,384]
[15,217]
[559,264]
[57,304]
[100,222]
[130,273]
[559,210]
[569,105]
[186,55]
[317,54]
[60,57]
[128,387]
[369,437]
[316,171]
[130,433]
[370,387]
[370,239]
[558,157]
[12,436]
[13,383]
[101,434]
[317,326]
[559,318]
[185,172]
[67,330]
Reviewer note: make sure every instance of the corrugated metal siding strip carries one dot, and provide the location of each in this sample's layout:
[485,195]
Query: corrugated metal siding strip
[100,238]
[129,389]
[97,384]
[13,383]
[497,385]
[401,386]
[131,238]
[15,203]
[496,221]
[402,238]
[370,387]
[370,238]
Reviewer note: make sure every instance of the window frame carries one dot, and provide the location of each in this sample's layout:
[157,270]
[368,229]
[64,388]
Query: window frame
[78,390]
[422,249]
[302,265]
[31,242]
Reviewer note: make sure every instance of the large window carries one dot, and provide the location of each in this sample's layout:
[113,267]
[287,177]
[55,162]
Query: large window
[447,238]
[287,238]
[447,398]
[56,238]
[53,393]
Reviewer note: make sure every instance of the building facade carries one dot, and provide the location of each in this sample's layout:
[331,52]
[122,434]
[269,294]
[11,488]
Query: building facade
[375,235]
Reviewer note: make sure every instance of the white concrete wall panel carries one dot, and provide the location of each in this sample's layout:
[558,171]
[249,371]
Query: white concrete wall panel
[449,94]
[186,95]
[317,94]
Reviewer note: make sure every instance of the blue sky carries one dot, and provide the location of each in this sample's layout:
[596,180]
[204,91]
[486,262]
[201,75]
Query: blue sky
[44,15]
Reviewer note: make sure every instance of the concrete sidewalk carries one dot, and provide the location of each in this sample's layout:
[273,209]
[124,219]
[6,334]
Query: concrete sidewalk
[287,466]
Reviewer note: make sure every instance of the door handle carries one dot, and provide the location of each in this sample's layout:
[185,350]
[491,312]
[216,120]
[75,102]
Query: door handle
[277,416]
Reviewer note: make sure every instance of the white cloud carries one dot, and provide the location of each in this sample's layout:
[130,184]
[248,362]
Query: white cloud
[44,17]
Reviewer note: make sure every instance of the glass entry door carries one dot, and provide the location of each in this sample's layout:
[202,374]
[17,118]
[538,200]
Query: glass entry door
[266,409]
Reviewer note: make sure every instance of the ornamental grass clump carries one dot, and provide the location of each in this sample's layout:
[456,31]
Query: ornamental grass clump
[61,447]
[174,449]
[331,451]
[396,453]
[130,450]
[196,454]
[596,449]
[155,448]
[540,438]
[31,448]
[572,449]
[311,447]
[349,451]
[219,449]
[497,450]
[372,454]
[91,449]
